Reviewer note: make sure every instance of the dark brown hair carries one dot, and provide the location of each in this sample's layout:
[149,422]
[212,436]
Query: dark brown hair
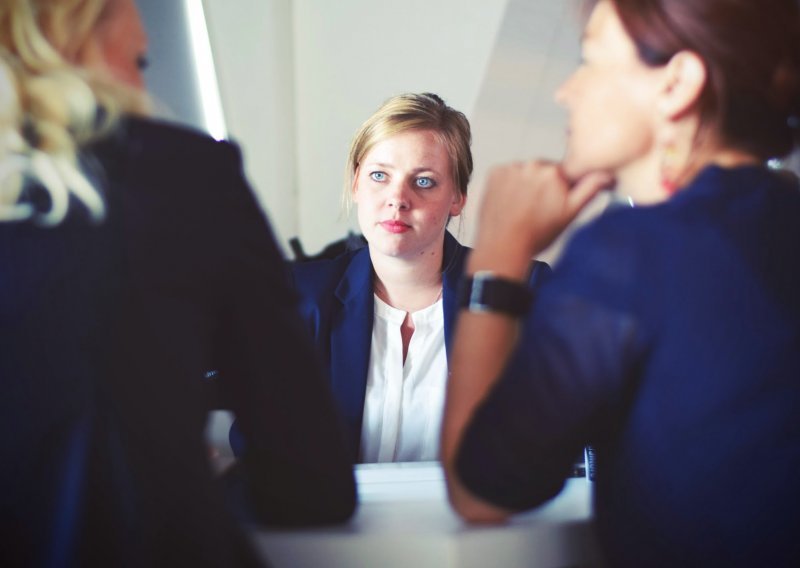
[751,49]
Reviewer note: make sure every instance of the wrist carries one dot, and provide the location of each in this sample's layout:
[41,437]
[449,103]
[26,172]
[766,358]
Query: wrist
[485,291]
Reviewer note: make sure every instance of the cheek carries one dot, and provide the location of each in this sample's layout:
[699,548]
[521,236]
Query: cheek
[118,45]
[363,224]
[626,135]
[364,196]
[612,127]
[114,58]
[123,67]
[365,211]
[438,216]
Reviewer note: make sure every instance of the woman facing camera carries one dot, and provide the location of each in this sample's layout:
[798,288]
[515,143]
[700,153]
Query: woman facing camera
[669,334]
[381,316]
[133,258]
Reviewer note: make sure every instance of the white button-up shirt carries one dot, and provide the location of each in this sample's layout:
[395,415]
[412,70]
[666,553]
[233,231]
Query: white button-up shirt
[404,402]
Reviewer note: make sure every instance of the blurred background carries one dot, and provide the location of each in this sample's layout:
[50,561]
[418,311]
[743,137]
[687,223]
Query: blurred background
[292,80]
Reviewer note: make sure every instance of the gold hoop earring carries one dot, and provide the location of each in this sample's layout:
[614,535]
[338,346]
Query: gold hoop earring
[669,171]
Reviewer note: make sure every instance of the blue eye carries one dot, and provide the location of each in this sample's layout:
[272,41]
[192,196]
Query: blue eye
[378,176]
[425,182]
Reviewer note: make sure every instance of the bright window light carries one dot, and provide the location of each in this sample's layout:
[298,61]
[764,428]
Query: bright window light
[213,116]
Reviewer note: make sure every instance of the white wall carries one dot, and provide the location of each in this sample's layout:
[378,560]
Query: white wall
[516,116]
[352,55]
[253,54]
[297,78]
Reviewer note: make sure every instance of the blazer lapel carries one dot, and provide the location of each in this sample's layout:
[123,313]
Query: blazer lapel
[351,339]
[452,269]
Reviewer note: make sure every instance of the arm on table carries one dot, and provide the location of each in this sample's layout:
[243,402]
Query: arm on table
[526,207]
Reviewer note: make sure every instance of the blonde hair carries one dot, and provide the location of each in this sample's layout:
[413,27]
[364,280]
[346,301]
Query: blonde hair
[412,111]
[50,106]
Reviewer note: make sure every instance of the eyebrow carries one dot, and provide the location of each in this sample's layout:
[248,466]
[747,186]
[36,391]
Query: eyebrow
[414,171]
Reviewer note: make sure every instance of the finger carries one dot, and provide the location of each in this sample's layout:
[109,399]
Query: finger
[586,188]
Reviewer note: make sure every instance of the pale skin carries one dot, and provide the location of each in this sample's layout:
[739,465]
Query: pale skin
[118,45]
[405,195]
[622,114]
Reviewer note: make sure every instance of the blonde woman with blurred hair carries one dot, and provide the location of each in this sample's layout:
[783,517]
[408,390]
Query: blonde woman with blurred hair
[133,258]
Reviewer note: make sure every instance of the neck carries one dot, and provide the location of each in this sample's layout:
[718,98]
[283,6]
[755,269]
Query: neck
[641,181]
[408,284]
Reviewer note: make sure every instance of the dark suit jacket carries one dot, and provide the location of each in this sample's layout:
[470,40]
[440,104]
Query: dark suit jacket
[106,332]
[336,302]
[669,339]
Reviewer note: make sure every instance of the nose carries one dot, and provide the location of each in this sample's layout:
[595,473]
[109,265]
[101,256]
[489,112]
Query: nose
[564,91]
[398,197]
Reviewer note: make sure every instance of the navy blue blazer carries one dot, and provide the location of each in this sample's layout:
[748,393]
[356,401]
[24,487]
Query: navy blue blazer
[336,302]
[668,338]
[105,333]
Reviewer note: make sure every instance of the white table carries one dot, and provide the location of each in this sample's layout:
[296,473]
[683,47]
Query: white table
[404,520]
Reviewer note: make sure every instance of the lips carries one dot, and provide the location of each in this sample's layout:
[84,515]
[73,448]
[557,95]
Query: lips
[394,226]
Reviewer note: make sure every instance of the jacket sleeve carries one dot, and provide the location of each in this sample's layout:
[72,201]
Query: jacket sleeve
[564,384]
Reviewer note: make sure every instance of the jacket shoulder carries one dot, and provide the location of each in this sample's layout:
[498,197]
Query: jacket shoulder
[168,147]
[167,134]
[319,278]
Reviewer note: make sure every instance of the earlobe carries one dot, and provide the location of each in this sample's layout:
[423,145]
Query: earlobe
[458,205]
[685,80]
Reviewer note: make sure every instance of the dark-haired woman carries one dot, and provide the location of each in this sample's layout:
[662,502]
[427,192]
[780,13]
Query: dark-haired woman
[669,335]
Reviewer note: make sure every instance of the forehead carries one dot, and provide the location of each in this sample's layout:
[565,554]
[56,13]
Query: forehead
[421,147]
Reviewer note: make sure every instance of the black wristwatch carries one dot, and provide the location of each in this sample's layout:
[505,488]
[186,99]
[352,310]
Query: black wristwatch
[486,292]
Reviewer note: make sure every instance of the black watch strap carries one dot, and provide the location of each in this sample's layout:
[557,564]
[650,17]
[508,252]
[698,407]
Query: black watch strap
[486,292]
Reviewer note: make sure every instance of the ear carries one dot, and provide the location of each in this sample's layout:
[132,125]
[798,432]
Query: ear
[459,200]
[685,78]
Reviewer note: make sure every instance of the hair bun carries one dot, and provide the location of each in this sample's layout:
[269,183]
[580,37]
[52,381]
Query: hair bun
[435,97]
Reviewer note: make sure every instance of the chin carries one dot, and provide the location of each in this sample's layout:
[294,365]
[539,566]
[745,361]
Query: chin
[387,248]
[573,169]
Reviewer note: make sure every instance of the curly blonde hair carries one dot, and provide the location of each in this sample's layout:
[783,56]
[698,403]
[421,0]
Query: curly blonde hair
[50,105]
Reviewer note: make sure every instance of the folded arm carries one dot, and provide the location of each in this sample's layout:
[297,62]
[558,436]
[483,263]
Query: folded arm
[526,207]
